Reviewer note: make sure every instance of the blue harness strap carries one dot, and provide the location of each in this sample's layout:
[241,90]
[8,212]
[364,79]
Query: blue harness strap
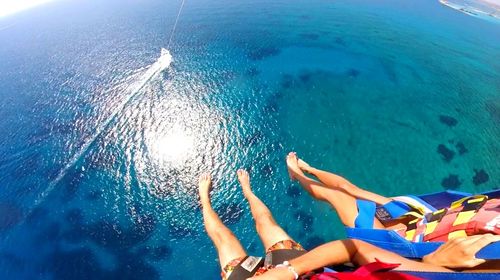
[368,210]
[393,209]
[391,241]
[366,214]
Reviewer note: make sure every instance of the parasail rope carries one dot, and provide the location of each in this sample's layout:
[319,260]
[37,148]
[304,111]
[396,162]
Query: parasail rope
[175,24]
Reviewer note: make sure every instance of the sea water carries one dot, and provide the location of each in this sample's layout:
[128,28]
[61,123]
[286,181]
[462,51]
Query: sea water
[99,163]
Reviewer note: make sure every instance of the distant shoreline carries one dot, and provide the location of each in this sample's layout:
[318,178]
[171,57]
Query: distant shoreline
[486,9]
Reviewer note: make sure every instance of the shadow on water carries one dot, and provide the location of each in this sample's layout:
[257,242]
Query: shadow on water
[309,36]
[262,53]
[10,215]
[127,245]
[313,242]
[448,120]
[293,191]
[446,153]
[452,182]
[493,108]
[229,213]
[305,219]
[252,72]
[83,264]
[115,239]
[480,177]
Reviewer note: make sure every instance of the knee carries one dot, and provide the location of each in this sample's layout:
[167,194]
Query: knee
[318,194]
[264,220]
[218,233]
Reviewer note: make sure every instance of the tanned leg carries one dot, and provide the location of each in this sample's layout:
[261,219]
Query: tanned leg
[269,231]
[343,202]
[228,246]
[337,182]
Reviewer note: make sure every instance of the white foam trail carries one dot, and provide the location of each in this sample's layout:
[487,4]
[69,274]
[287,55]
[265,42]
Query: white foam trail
[159,66]
[7,27]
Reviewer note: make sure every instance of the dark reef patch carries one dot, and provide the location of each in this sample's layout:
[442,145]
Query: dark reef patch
[94,195]
[74,217]
[50,234]
[36,215]
[112,235]
[309,36]
[12,260]
[446,154]
[156,254]
[82,264]
[255,138]
[389,71]
[340,41]
[292,191]
[353,73]
[287,81]
[480,177]
[452,182]
[230,213]
[79,264]
[252,72]
[161,253]
[461,148]
[313,242]
[180,232]
[71,183]
[26,167]
[305,76]
[267,170]
[10,215]
[447,120]
[493,107]
[134,267]
[305,218]
[259,54]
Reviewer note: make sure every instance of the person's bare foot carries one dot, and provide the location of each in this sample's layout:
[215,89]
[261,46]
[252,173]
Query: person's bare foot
[204,185]
[244,179]
[292,164]
[304,166]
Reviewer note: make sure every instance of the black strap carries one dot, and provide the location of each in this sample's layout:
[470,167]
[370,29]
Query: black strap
[276,257]
[246,268]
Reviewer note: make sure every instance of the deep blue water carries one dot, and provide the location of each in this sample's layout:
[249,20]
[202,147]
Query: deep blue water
[98,175]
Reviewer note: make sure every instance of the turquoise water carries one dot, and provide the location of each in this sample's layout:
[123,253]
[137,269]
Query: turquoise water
[98,174]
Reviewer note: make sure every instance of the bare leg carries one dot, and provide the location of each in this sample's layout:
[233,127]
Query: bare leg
[343,202]
[228,246]
[337,182]
[269,231]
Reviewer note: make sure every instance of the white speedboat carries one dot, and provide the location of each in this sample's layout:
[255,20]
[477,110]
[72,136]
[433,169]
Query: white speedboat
[165,59]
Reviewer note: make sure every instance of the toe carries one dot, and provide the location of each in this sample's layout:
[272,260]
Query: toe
[242,172]
[204,177]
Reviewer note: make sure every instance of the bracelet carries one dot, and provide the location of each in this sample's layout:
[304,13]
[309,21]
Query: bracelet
[290,268]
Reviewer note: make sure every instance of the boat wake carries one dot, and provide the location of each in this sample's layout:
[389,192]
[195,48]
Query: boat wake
[156,68]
